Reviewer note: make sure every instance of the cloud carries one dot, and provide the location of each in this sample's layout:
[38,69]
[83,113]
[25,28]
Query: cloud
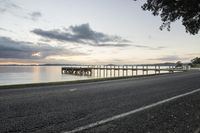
[35,15]
[111,45]
[10,48]
[3,29]
[8,6]
[82,34]
[2,10]
[194,54]
[6,30]
[169,58]
[148,47]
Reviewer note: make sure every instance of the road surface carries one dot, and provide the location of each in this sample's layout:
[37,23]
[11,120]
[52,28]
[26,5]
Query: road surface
[159,104]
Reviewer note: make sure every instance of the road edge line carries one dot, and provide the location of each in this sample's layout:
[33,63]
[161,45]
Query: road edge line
[129,113]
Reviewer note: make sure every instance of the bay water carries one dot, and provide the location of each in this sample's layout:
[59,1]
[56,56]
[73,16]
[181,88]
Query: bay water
[10,75]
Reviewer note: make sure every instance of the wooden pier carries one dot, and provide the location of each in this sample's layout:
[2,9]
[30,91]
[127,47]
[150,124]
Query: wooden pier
[116,70]
[77,70]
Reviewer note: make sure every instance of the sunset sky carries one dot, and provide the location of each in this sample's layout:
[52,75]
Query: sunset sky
[89,32]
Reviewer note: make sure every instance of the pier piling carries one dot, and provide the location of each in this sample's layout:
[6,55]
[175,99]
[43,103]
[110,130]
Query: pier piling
[103,70]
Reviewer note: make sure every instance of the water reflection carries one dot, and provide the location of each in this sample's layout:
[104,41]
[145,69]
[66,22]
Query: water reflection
[37,74]
[34,74]
[116,71]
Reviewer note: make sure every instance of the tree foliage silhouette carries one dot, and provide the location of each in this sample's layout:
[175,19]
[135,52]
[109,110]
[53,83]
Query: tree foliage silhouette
[188,11]
[196,60]
[179,64]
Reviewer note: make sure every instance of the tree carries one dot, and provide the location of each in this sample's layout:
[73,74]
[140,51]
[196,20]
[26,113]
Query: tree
[179,64]
[195,61]
[172,10]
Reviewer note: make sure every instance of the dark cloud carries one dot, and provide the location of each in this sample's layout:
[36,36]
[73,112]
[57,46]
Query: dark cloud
[3,29]
[2,10]
[169,58]
[148,47]
[82,34]
[13,49]
[35,15]
[111,45]
[117,60]
[7,6]
[10,48]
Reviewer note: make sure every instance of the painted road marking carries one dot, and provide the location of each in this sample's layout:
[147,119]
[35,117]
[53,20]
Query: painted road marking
[74,89]
[129,113]
[197,131]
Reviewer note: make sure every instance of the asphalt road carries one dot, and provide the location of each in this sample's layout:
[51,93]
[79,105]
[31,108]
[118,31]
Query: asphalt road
[67,107]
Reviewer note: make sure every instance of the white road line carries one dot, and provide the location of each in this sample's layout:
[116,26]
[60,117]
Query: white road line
[74,89]
[129,113]
[197,131]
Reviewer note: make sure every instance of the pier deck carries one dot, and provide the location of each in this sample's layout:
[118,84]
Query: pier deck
[88,70]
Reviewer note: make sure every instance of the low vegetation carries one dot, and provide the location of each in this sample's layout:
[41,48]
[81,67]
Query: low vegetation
[195,62]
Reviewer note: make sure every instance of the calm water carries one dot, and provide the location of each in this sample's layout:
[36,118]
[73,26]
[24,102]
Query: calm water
[34,74]
[38,74]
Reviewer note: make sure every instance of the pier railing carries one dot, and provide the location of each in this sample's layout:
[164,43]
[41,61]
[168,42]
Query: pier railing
[121,70]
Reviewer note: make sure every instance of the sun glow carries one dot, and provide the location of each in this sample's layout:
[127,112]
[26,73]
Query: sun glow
[36,54]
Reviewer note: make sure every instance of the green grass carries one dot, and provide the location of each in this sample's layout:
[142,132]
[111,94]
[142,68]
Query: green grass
[70,82]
